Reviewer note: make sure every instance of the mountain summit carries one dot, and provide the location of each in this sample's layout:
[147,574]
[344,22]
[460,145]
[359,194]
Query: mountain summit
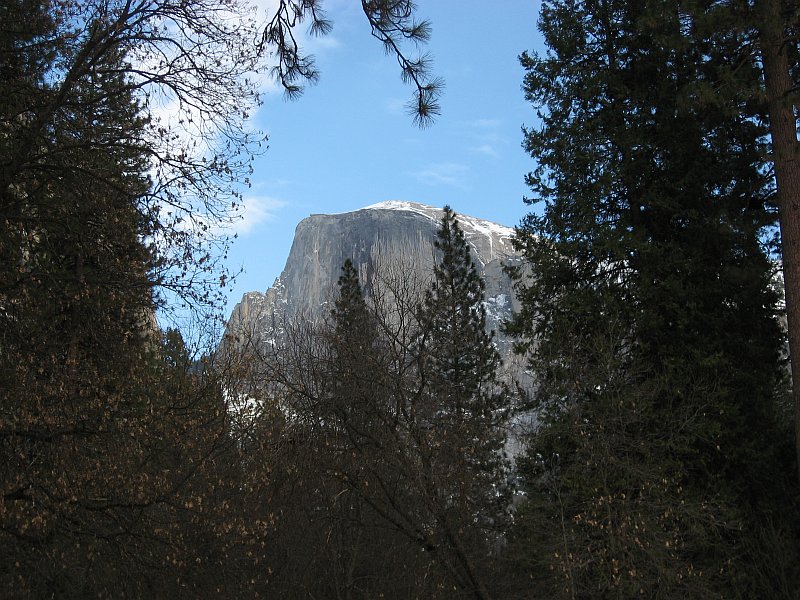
[389,236]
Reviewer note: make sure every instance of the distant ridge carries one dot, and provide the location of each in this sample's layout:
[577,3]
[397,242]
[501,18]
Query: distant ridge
[398,233]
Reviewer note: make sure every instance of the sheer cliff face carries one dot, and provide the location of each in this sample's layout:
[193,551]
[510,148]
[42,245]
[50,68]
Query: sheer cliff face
[395,237]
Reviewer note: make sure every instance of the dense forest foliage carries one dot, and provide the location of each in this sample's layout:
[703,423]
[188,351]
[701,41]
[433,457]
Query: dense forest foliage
[664,466]
[364,456]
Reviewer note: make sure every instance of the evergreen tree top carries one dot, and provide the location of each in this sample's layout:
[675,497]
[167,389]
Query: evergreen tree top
[350,307]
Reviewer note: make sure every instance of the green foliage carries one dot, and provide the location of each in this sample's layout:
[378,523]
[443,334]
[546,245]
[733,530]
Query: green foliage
[123,471]
[81,87]
[468,405]
[651,317]
[392,22]
[397,436]
[110,441]
[459,357]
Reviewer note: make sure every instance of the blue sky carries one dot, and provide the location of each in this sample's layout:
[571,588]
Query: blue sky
[348,142]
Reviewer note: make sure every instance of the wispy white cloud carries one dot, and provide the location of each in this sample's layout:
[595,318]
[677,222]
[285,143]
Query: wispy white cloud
[184,122]
[396,106]
[324,42]
[484,123]
[449,174]
[274,182]
[244,219]
[486,149]
[178,124]
[255,211]
[485,136]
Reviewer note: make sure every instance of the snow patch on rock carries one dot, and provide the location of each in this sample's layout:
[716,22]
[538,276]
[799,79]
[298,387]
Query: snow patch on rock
[429,212]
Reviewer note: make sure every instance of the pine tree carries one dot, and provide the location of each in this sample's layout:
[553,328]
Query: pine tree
[356,370]
[114,444]
[354,495]
[463,409]
[353,346]
[459,364]
[651,292]
[106,435]
[460,358]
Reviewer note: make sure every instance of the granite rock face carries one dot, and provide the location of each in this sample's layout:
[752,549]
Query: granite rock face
[392,235]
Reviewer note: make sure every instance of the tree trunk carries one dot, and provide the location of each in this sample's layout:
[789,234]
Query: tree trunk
[786,158]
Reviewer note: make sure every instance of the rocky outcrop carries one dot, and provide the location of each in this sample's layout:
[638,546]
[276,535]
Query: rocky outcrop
[389,235]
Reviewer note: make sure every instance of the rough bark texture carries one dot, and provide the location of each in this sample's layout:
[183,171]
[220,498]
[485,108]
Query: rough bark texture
[785,154]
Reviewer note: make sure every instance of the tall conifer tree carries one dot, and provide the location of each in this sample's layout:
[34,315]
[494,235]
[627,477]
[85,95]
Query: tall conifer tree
[104,447]
[353,345]
[461,361]
[464,407]
[650,316]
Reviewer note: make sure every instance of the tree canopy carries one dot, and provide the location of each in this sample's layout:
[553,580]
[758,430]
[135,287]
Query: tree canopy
[124,144]
[364,456]
[652,316]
